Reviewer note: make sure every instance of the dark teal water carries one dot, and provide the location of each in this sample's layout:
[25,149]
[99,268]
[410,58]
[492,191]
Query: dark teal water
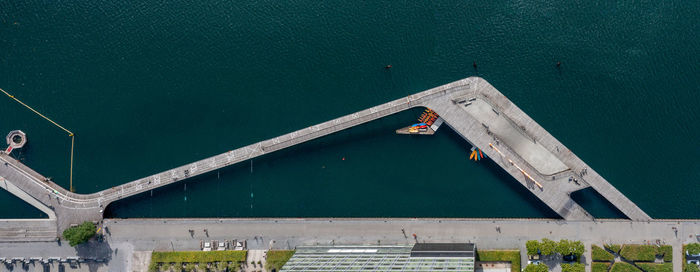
[150,86]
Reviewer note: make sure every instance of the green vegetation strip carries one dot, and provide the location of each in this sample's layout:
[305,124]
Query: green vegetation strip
[573,267]
[623,267]
[536,268]
[613,248]
[198,256]
[667,251]
[277,258]
[646,252]
[512,256]
[600,267]
[654,267]
[692,249]
[600,254]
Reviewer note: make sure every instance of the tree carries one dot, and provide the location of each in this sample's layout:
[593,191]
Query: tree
[577,248]
[536,268]
[574,267]
[79,234]
[566,247]
[532,247]
[548,247]
[563,247]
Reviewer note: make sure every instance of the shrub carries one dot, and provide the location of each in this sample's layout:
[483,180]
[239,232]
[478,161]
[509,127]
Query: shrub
[79,234]
[693,248]
[537,268]
[532,247]
[599,254]
[691,268]
[153,267]
[575,267]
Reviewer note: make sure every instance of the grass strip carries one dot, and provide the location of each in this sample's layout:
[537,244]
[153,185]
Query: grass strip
[613,248]
[645,253]
[599,254]
[277,258]
[623,267]
[654,267]
[512,256]
[600,267]
[198,256]
[667,251]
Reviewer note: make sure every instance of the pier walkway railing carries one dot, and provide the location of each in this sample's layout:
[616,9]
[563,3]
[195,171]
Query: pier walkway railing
[446,100]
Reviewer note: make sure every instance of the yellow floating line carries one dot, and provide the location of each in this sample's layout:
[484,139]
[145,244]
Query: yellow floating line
[56,124]
[30,108]
[72,144]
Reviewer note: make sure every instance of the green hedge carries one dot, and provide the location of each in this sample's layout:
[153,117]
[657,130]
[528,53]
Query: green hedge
[512,256]
[623,267]
[277,258]
[600,267]
[653,267]
[599,254]
[198,256]
[686,247]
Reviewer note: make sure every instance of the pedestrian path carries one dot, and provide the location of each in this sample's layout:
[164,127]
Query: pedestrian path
[472,107]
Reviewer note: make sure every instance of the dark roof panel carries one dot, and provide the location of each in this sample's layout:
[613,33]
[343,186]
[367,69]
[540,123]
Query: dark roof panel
[443,250]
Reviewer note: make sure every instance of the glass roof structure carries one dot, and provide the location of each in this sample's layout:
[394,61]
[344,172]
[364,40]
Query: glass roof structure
[382,258]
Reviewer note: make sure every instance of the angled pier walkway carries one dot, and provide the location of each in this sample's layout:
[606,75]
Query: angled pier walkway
[472,107]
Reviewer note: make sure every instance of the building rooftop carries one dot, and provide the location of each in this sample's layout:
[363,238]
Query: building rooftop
[442,250]
[430,257]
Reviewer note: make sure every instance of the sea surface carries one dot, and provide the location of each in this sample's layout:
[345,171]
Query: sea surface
[147,86]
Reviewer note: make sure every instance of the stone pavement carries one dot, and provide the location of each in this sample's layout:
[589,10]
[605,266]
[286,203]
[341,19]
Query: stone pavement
[128,235]
[172,234]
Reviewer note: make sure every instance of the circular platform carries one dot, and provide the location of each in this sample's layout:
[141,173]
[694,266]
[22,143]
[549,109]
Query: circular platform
[16,139]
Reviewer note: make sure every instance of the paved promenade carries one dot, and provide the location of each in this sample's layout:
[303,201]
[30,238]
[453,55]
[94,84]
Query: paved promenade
[124,236]
[168,234]
[472,107]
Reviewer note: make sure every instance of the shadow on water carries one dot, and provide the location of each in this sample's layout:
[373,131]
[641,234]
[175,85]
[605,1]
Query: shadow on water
[522,193]
[419,176]
[596,204]
[17,207]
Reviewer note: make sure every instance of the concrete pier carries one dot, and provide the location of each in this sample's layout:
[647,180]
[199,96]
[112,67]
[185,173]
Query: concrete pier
[472,107]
